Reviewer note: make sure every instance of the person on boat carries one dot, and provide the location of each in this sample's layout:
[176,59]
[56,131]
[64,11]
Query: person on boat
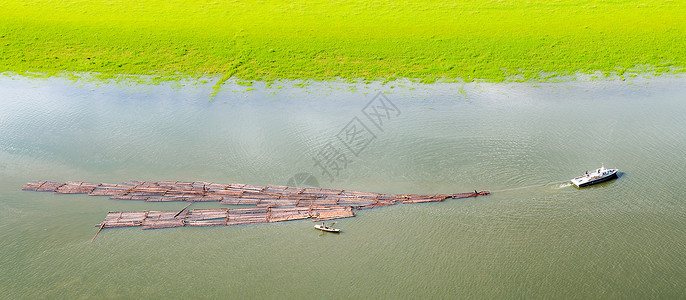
[475,192]
[323,226]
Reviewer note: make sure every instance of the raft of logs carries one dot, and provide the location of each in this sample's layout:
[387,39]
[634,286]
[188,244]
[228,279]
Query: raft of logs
[268,204]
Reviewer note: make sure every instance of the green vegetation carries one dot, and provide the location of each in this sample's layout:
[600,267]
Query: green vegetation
[326,39]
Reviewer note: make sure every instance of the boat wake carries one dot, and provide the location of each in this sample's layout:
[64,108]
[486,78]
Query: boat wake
[556,185]
[564,185]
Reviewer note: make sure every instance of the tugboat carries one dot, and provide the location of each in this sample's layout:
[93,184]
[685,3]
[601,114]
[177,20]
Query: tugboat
[594,177]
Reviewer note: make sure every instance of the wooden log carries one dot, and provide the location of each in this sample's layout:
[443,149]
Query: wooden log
[306,202]
[122,215]
[247,216]
[159,224]
[241,221]
[217,186]
[238,186]
[105,189]
[300,197]
[188,198]
[201,184]
[49,186]
[258,195]
[122,224]
[239,201]
[133,215]
[321,192]
[216,222]
[164,219]
[181,186]
[185,191]
[206,214]
[178,213]
[467,195]
[277,202]
[248,201]
[231,201]
[253,188]
[113,215]
[124,219]
[129,197]
[224,193]
[153,215]
[360,194]
[70,190]
[278,214]
[417,199]
[378,204]
[106,192]
[32,186]
[163,199]
[355,201]
[149,191]
[211,198]
[181,197]
[388,197]
[327,201]
[76,187]
[282,190]
[98,232]
[108,185]
[330,213]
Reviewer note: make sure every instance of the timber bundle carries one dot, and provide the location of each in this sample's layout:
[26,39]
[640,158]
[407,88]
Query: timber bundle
[271,203]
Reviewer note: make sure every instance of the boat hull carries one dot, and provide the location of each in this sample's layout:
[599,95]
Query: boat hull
[599,180]
[327,229]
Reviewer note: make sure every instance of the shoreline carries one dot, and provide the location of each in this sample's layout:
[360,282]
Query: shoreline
[219,79]
[85,78]
[428,42]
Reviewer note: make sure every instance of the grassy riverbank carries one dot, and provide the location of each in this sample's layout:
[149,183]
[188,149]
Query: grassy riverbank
[494,40]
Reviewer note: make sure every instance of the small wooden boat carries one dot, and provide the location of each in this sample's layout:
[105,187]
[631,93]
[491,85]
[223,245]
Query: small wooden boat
[323,227]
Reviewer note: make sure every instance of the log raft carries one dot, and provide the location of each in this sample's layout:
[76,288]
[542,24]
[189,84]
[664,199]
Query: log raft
[272,203]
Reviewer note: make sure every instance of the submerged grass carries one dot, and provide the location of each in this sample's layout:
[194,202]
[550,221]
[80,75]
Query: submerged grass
[380,40]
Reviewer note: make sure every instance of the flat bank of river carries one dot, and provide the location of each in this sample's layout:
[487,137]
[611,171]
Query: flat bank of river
[534,237]
[271,40]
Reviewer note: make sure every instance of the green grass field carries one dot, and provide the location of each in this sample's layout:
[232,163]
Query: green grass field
[350,40]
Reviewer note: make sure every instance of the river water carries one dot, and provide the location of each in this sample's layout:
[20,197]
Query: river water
[535,236]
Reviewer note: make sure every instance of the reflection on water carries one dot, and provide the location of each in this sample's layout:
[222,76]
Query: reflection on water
[535,236]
